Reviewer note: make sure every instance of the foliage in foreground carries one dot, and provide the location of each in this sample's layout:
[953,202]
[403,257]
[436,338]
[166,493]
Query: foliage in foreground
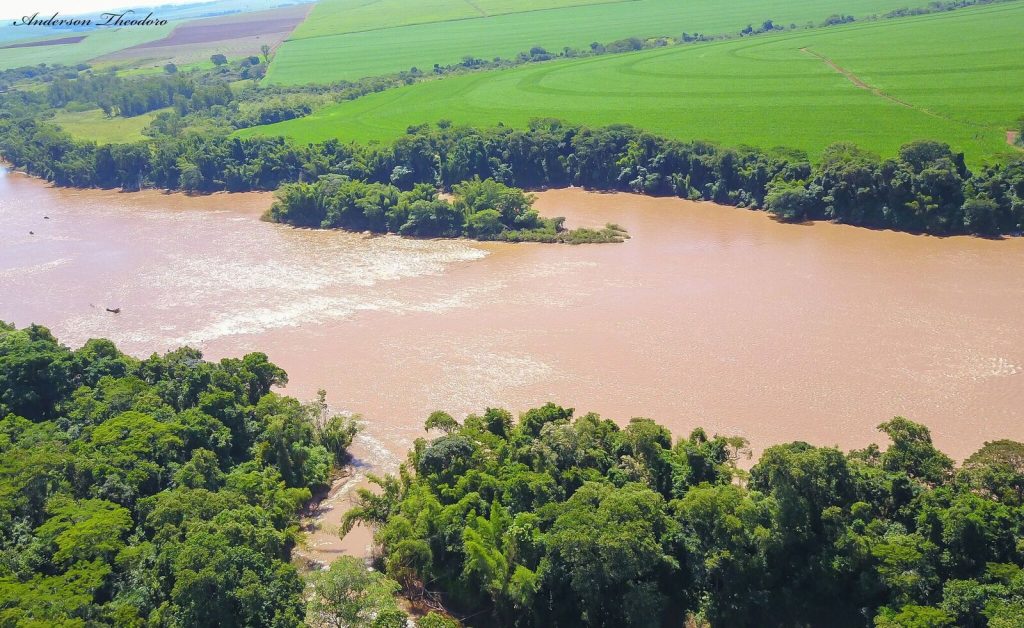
[556,520]
[166,491]
[485,210]
[163,491]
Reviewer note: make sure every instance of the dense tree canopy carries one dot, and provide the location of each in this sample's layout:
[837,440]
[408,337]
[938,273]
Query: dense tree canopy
[163,491]
[166,491]
[485,210]
[925,188]
[556,520]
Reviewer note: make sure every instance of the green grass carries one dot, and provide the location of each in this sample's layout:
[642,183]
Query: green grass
[333,17]
[135,67]
[325,58]
[961,73]
[97,43]
[94,125]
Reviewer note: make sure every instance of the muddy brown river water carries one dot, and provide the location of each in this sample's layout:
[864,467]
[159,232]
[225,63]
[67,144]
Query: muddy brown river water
[709,315]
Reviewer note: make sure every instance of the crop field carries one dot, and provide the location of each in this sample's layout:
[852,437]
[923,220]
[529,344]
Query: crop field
[96,126]
[334,17]
[233,35]
[182,40]
[60,41]
[955,76]
[96,43]
[326,47]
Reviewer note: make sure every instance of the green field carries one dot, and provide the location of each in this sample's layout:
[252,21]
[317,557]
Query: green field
[959,75]
[334,17]
[306,59]
[96,126]
[97,43]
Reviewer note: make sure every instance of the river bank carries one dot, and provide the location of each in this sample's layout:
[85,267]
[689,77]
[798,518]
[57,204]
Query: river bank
[708,315]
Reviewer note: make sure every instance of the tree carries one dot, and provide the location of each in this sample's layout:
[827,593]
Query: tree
[606,554]
[336,436]
[485,224]
[218,581]
[981,216]
[997,469]
[218,59]
[912,452]
[441,420]
[59,600]
[265,50]
[151,491]
[433,619]
[433,218]
[912,616]
[348,595]
[35,372]
[496,549]
[790,202]
[85,530]
[202,471]
[170,68]
[287,442]
[731,536]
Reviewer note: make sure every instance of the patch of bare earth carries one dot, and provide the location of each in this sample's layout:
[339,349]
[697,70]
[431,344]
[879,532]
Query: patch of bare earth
[322,521]
[232,35]
[48,42]
[1011,138]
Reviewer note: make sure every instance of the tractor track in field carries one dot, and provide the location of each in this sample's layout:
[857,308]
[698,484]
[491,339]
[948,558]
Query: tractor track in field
[877,91]
[859,82]
[476,8]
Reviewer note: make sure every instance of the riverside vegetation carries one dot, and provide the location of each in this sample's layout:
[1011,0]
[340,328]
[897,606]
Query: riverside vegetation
[927,188]
[163,491]
[485,210]
[557,520]
[167,491]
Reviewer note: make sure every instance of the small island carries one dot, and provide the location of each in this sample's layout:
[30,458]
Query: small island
[479,209]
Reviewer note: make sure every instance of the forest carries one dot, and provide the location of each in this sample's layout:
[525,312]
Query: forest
[484,210]
[176,490]
[168,490]
[925,188]
[559,520]
[164,491]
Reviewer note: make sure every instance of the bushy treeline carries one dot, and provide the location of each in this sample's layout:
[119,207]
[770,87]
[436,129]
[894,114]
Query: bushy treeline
[162,492]
[484,210]
[936,6]
[925,188]
[562,521]
[42,73]
[132,97]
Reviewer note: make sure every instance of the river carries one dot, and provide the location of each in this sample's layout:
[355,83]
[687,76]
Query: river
[709,316]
